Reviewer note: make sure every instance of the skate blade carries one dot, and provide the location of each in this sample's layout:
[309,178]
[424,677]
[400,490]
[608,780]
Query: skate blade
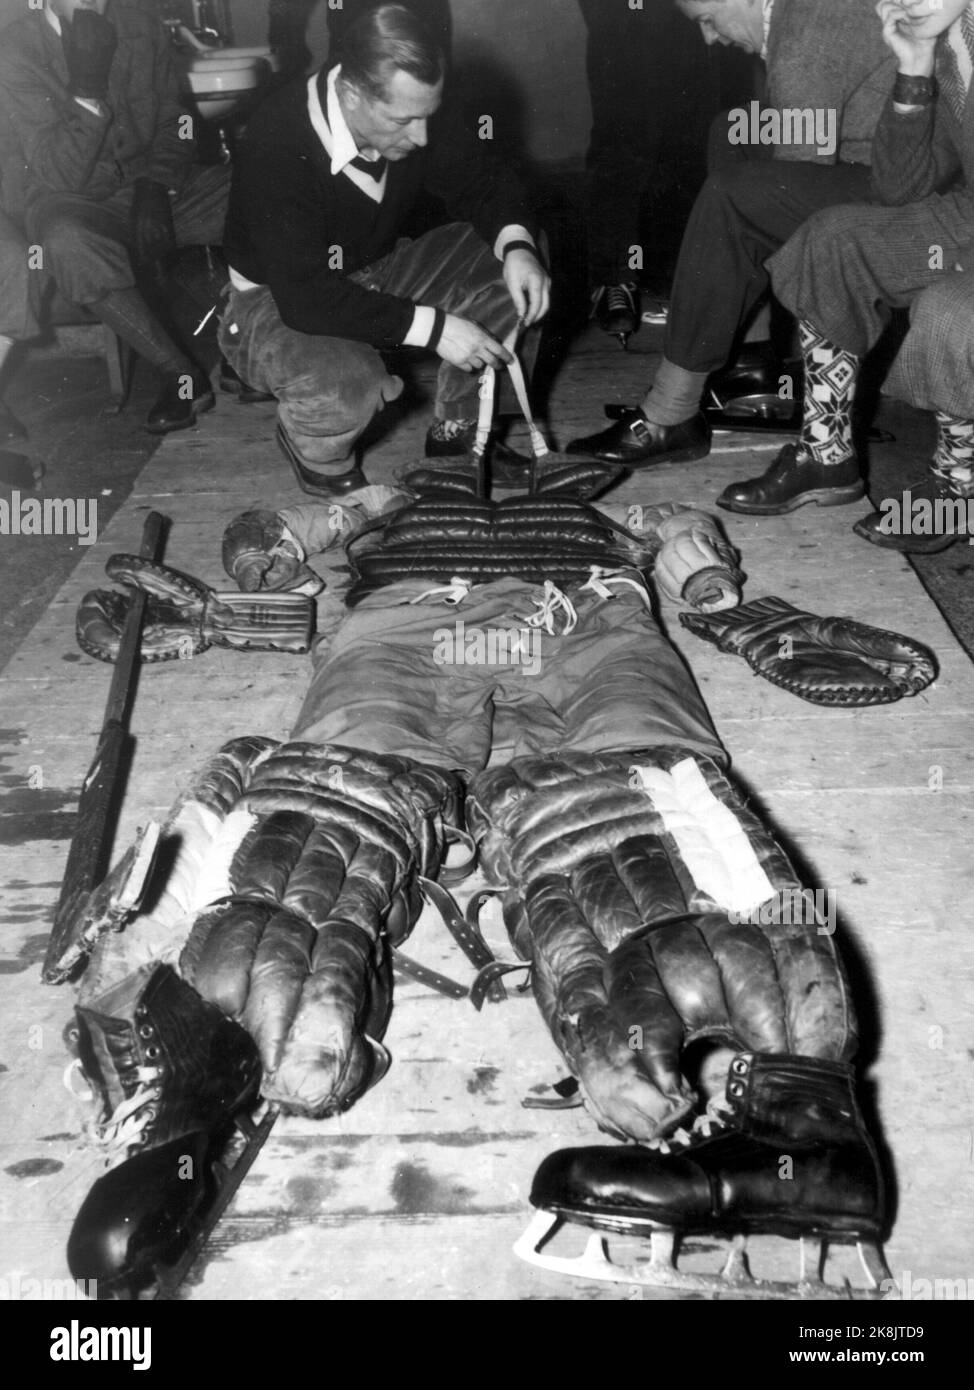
[251,1135]
[661,1272]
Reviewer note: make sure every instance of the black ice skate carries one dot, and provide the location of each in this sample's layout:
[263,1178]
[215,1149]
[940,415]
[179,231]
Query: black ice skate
[175,1075]
[785,1154]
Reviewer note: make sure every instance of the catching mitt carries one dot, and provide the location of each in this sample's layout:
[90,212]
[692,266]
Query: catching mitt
[184,616]
[829,661]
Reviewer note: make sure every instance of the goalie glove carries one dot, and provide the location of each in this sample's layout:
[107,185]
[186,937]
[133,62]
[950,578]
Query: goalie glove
[264,550]
[184,616]
[829,661]
[696,564]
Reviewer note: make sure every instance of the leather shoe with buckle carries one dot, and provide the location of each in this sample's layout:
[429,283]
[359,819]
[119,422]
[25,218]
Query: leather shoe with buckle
[794,479]
[318,484]
[941,519]
[175,409]
[637,442]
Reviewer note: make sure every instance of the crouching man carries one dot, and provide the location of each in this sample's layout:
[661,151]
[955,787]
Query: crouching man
[322,279]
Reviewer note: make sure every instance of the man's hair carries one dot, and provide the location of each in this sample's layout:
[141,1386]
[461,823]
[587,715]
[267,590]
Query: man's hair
[384,39]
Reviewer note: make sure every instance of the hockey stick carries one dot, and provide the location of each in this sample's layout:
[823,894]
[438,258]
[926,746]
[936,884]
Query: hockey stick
[85,869]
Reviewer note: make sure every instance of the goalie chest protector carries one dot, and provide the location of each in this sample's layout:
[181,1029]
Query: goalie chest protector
[530,538]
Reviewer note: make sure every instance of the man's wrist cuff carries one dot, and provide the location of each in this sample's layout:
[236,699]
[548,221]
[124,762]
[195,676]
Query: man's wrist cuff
[421,328]
[913,91]
[439,323]
[520,245]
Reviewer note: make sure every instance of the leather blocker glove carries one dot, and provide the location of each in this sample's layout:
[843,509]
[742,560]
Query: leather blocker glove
[89,42]
[829,661]
[283,877]
[695,563]
[656,910]
[184,616]
[265,550]
[150,222]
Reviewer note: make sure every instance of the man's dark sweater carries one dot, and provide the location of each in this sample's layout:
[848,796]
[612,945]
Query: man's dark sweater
[300,230]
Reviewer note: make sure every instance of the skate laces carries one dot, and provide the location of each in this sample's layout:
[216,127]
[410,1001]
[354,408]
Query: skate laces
[455,592]
[715,1118]
[125,1127]
[619,299]
[548,606]
[599,580]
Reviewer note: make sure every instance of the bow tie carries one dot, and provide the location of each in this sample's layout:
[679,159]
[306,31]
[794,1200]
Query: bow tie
[373,167]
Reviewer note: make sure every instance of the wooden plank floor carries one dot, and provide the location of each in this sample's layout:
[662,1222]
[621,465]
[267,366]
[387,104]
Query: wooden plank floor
[419,1192]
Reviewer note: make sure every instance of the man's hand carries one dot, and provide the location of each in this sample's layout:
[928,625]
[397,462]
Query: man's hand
[914,56]
[468,346]
[89,42]
[153,233]
[529,285]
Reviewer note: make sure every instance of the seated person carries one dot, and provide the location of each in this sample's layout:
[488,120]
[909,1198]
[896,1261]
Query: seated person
[107,175]
[848,266]
[322,278]
[824,57]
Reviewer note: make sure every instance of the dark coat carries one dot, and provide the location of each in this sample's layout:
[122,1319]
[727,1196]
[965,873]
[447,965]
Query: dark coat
[53,144]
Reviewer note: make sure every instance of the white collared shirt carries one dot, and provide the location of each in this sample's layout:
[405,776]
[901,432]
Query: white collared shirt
[338,140]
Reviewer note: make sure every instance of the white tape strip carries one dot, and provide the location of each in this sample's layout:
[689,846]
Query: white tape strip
[712,842]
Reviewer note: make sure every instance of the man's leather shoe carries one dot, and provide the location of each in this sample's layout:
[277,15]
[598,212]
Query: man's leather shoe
[941,518]
[328,485]
[636,442]
[235,385]
[11,430]
[794,479]
[175,409]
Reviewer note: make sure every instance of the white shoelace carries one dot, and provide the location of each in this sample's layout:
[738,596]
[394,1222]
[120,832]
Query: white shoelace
[454,592]
[716,1116]
[128,1120]
[551,602]
[599,580]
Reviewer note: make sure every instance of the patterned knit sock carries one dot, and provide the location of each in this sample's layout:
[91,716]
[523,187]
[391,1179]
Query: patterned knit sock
[954,457]
[830,384]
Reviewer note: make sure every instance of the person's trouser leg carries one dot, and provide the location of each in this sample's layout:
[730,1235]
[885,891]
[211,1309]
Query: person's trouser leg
[840,275]
[743,213]
[396,678]
[20,284]
[453,269]
[327,389]
[85,246]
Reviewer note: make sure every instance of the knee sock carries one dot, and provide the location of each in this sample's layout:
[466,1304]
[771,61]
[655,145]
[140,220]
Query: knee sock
[953,460]
[126,313]
[830,384]
[675,395]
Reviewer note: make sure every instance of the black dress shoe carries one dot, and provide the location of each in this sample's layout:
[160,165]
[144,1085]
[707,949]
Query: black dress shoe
[940,519]
[328,485]
[175,409]
[794,479]
[635,441]
[235,385]
[11,430]
[616,310]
